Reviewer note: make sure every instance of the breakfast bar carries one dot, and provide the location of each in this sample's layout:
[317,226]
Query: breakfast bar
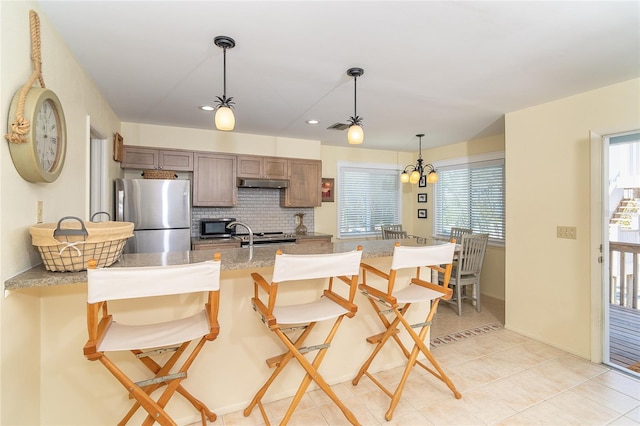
[230,369]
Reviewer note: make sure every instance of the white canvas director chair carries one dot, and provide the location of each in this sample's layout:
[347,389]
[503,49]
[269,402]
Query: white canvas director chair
[396,302]
[336,303]
[171,337]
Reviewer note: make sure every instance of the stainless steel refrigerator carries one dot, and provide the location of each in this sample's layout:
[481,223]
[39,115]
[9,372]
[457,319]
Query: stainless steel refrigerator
[160,210]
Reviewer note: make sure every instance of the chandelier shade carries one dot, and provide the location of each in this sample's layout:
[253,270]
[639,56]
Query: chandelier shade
[355,135]
[414,173]
[224,118]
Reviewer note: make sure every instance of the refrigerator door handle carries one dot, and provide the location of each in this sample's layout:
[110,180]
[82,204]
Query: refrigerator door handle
[120,207]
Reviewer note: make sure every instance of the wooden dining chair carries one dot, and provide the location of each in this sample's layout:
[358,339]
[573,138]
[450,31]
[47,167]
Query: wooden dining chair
[392,298]
[170,338]
[390,234]
[457,233]
[301,318]
[383,228]
[467,269]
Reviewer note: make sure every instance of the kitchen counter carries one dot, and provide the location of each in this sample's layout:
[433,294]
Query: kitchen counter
[232,259]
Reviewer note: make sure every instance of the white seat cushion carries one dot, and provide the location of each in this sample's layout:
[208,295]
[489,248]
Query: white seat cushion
[415,294]
[121,337]
[320,310]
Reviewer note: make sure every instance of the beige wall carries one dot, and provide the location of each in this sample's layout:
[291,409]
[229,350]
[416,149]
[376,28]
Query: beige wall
[548,184]
[213,140]
[20,314]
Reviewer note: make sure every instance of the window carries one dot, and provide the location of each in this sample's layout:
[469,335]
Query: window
[368,197]
[470,194]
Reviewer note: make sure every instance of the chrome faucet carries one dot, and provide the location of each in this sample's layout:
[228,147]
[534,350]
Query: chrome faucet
[235,223]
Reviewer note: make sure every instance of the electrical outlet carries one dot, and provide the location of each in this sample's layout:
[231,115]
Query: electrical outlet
[567,232]
[39,211]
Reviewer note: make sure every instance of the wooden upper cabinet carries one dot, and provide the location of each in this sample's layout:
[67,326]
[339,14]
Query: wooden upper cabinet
[253,166]
[175,160]
[214,180]
[136,157]
[305,181]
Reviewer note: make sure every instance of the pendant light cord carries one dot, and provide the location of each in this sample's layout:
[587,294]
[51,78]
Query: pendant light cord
[224,73]
[355,96]
[21,125]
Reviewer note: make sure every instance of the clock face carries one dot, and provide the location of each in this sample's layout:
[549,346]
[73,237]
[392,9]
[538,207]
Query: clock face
[47,135]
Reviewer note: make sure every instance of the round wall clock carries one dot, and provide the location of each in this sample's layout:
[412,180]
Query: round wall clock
[41,157]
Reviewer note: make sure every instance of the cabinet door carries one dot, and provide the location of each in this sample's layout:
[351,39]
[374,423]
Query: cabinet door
[216,246]
[305,180]
[250,166]
[135,157]
[275,168]
[214,180]
[253,166]
[175,160]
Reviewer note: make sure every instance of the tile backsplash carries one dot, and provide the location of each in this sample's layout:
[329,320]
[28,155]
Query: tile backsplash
[260,209]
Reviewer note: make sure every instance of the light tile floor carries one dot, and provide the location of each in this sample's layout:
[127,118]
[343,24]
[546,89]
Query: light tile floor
[505,379]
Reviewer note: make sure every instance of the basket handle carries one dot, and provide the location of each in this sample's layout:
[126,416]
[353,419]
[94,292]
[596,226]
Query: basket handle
[98,213]
[68,232]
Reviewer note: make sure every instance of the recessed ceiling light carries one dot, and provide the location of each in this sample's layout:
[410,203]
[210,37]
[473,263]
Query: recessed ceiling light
[312,122]
[206,108]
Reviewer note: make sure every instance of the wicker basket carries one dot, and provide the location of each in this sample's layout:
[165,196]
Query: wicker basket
[159,174]
[66,247]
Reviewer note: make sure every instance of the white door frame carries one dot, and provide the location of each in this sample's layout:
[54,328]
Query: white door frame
[599,242]
[599,248]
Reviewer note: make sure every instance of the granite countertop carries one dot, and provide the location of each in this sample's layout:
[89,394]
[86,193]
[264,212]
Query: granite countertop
[232,259]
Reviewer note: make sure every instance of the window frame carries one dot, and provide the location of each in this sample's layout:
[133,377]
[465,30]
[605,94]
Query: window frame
[390,169]
[470,162]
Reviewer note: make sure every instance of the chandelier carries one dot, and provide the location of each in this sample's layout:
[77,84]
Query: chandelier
[413,174]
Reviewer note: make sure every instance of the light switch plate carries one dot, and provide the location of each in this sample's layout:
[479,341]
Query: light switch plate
[39,211]
[567,232]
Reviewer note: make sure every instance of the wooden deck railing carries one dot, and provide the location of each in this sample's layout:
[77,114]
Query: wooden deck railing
[623,275]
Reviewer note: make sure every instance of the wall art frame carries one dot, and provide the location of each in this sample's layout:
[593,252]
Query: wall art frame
[328,190]
[118,147]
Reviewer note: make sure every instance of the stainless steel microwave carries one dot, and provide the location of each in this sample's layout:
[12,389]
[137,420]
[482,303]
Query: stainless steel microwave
[217,228]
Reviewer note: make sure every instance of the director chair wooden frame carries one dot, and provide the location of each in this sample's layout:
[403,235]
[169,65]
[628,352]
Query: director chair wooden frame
[158,338]
[335,303]
[396,302]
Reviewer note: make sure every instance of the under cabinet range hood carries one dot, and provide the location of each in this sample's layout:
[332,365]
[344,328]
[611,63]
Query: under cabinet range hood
[262,183]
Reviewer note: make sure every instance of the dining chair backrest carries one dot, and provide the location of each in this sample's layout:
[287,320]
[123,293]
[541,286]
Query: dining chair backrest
[388,234]
[384,228]
[472,250]
[457,233]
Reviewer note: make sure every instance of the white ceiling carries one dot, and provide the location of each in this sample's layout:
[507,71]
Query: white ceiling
[448,69]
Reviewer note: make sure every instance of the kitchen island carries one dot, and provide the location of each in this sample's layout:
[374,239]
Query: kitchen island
[229,370]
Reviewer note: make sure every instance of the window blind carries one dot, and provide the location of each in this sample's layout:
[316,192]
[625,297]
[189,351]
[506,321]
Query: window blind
[368,197]
[471,195]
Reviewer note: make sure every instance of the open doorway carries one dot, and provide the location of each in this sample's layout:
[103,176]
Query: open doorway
[622,248]
[99,179]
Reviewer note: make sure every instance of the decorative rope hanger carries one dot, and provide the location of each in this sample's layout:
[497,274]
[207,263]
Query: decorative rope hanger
[20,126]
